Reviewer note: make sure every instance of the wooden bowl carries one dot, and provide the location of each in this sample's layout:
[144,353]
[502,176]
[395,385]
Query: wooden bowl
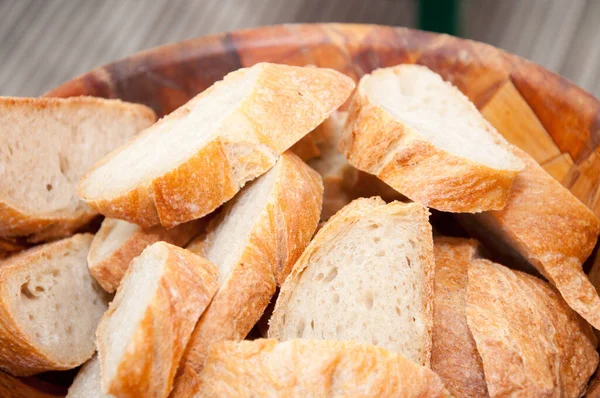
[548,116]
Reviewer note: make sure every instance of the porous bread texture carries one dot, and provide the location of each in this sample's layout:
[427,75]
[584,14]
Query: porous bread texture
[49,308]
[118,242]
[87,381]
[48,144]
[366,276]
[207,150]
[313,368]
[531,343]
[254,242]
[142,336]
[424,138]
[343,182]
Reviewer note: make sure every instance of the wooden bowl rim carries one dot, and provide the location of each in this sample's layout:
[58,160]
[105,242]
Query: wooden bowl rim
[154,52]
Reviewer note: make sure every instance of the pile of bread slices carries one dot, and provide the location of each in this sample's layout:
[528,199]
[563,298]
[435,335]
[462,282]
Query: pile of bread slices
[290,186]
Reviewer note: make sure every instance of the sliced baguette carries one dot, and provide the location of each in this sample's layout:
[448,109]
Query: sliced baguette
[551,229]
[531,343]
[118,242]
[87,381]
[47,146]
[454,355]
[255,241]
[366,276]
[343,183]
[142,336]
[49,308]
[310,368]
[424,138]
[11,387]
[205,151]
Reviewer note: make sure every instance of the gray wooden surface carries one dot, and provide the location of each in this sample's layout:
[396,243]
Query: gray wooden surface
[46,42]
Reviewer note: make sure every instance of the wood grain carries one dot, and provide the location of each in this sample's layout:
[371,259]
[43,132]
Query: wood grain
[546,115]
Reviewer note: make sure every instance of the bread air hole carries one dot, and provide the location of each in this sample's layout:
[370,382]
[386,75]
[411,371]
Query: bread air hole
[398,311]
[368,300]
[331,275]
[336,298]
[49,187]
[31,294]
[300,328]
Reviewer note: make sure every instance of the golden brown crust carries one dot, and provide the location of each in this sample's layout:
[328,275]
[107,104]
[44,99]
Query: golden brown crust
[531,343]
[339,222]
[306,148]
[309,368]
[19,355]
[11,246]
[454,355]
[278,237]
[11,387]
[109,271]
[380,144]
[593,389]
[553,230]
[342,182]
[149,362]
[43,227]
[286,103]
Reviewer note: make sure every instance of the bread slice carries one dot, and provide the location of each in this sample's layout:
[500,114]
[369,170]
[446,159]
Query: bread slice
[310,368]
[49,308]
[142,336]
[454,355]
[343,182]
[366,276]
[47,146]
[255,241]
[87,381]
[531,343]
[424,138]
[11,387]
[118,242]
[205,151]
[551,229]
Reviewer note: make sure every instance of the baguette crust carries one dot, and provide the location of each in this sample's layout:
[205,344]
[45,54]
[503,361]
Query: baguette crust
[285,104]
[11,387]
[149,362]
[531,343]
[278,237]
[10,246]
[19,354]
[553,230]
[454,355]
[110,270]
[343,183]
[336,224]
[306,148]
[309,368]
[16,221]
[377,142]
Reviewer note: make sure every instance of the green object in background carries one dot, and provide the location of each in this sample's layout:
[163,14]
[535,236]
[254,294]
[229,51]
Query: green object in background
[439,16]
